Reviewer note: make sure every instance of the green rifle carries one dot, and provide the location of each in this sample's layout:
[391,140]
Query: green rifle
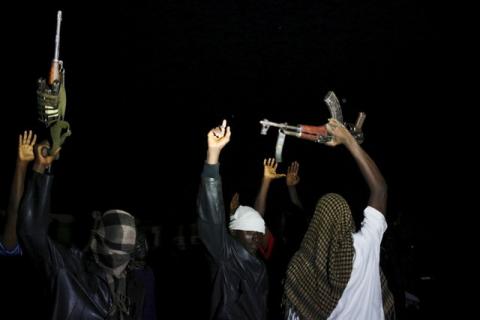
[52,98]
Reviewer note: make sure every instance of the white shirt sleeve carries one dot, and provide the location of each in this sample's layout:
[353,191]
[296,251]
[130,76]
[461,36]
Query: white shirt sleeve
[373,225]
[362,297]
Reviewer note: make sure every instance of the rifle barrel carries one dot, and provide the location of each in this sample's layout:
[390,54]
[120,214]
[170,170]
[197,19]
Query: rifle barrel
[279,125]
[57,36]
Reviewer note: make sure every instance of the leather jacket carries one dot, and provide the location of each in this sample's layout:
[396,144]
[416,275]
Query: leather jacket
[78,286]
[239,278]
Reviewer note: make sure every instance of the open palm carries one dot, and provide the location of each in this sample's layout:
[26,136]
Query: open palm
[292,174]
[270,169]
[25,146]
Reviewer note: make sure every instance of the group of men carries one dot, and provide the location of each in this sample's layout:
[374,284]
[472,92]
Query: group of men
[334,274]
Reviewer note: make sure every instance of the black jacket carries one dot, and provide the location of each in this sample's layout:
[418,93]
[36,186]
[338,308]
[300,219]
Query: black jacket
[240,281]
[77,284]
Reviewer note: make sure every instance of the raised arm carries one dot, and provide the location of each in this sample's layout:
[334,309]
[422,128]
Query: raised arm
[269,174]
[234,203]
[217,139]
[24,156]
[368,168]
[292,180]
[211,211]
[33,216]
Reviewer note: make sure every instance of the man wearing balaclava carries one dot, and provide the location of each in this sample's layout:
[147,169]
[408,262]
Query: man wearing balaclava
[336,272]
[90,284]
[239,277]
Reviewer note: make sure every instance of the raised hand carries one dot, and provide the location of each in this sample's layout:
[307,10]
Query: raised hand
[218,137]
[234,203]
[340,134]
[270,169]
[25,146]
[292,174]
[41,161]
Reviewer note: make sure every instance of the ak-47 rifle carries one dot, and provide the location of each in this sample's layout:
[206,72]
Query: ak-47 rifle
[52,98]
[317,134]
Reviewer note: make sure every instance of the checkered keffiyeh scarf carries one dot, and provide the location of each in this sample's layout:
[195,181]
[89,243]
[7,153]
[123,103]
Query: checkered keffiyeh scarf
[319,271]
[112,246]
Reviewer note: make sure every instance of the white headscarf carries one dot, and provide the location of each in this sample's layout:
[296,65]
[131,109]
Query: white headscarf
[247,219]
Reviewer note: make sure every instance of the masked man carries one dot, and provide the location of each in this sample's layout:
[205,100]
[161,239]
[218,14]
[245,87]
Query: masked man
[90,284]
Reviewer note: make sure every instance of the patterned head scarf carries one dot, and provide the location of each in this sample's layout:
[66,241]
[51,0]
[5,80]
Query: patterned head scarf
[319,271]
[112,246]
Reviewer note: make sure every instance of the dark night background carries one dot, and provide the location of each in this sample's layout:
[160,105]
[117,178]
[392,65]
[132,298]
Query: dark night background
[146,80]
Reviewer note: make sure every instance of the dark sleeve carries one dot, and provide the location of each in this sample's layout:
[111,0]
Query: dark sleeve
[33,220]
[211,212]
[149,308]
[17,251]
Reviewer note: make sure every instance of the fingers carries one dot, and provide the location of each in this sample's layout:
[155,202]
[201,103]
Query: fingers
[228,133]
[235,199]
[26,138]
[333,124]
[234,203]
[332,143]
[271,166]
[236,196]
[217,132]
[296,166]
[331,127]
[293,168]
[271,163]
[52,156]
[222,130]
[42,151]
[34,140]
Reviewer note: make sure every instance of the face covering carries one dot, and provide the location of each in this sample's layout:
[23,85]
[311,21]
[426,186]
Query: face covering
[112,246]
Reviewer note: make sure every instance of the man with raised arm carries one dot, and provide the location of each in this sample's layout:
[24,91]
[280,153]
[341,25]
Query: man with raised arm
[336,272]
[82,284]
[9,245]
[239,278]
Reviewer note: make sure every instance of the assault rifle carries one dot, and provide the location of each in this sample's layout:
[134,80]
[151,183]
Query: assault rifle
[52,98]
[316,134]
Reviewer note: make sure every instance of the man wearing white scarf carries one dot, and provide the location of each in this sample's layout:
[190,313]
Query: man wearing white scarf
[239,277]
[247,219]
